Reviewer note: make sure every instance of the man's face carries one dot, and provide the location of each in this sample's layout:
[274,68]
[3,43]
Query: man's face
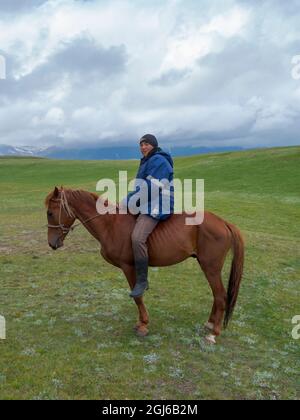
[146,148]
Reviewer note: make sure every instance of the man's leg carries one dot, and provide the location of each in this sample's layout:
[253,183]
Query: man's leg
[143,227]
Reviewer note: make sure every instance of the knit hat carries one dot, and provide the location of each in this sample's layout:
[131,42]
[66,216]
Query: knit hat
[150,139]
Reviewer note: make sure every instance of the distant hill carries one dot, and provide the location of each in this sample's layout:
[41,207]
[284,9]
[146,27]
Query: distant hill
[103,153]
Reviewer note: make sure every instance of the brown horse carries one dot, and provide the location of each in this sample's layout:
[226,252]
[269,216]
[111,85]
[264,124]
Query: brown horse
[171,242]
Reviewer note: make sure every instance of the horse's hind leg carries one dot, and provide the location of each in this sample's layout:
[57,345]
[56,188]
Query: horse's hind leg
[211,262]
[216,318]
[211,320]
[142,325]
[219,292]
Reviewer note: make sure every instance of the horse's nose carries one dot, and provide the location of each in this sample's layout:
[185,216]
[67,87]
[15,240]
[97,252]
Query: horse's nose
[54,247]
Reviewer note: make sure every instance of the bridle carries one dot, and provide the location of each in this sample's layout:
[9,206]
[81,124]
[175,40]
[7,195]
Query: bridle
[65,205]
[64,228]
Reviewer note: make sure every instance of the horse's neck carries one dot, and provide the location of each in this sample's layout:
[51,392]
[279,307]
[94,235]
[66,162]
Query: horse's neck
[100,226]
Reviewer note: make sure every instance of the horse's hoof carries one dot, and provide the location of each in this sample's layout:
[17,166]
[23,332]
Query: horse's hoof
[209,326]
[211,339]
[142,331]
[138,325]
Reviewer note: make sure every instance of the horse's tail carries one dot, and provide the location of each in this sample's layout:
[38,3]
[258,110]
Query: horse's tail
[236,273]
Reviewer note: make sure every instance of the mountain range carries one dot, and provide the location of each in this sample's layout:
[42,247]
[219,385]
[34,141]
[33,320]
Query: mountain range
[102,152]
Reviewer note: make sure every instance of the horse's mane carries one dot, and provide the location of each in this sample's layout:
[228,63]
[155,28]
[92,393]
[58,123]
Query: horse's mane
[73,193]
[69,196]
[84,196]
[81,194]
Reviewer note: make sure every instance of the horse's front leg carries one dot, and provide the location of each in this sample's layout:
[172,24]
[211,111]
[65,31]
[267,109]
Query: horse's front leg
[142,325]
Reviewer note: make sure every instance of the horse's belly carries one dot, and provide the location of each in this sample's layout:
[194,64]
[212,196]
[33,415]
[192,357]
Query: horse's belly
[169,255]
[172,242]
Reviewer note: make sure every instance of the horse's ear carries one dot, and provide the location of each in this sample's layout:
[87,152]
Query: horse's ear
[56,192]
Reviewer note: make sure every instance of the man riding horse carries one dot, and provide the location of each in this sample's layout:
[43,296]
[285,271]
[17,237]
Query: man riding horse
[122,237]
[155,166]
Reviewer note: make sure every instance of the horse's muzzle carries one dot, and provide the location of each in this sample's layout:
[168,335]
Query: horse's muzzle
[56,245]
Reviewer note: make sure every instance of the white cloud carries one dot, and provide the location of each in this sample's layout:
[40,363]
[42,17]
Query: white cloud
[103,71]
[228,24]
[55,116]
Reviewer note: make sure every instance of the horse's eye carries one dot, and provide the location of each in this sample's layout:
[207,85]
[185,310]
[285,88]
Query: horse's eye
[50,214]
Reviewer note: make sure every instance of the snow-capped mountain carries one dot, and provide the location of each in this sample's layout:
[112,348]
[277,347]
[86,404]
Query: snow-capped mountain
[6,150]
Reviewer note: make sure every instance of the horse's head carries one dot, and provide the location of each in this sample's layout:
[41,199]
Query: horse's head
[60,218]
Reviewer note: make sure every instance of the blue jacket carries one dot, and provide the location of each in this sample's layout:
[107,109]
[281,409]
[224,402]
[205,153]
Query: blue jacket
[157,166]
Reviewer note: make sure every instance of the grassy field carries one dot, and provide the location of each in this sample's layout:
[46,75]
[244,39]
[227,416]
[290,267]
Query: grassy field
[69,317]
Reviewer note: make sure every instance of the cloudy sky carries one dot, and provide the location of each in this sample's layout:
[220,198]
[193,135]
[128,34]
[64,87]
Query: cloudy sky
[194,72]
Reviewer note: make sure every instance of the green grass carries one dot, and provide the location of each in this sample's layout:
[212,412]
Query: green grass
[69,317]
